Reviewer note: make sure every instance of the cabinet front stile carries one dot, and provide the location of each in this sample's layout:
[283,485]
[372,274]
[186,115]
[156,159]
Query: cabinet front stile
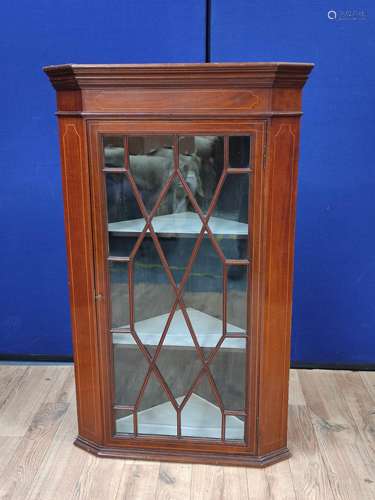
[78,230]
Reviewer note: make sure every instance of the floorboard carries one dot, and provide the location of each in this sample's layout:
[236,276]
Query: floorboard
[331,437]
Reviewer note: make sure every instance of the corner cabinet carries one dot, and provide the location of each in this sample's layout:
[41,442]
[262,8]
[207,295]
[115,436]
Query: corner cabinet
[179,186]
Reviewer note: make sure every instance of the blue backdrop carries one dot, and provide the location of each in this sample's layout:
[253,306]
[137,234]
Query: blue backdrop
[334,294]
[334,306]
[34,311]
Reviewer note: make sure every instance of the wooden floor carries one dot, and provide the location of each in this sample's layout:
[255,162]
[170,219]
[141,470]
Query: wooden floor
[331,436]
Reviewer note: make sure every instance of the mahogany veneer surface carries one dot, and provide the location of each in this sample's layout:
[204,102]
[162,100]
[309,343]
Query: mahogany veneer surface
[262,100]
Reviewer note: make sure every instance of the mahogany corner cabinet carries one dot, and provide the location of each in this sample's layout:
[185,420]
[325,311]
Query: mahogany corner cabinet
[180,189]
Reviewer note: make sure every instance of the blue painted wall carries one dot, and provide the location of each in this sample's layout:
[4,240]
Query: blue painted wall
[34,312]
[334,295]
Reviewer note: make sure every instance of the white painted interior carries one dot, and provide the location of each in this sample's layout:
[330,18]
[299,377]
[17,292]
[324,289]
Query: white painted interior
[199,418]
[181,223]
[207,328]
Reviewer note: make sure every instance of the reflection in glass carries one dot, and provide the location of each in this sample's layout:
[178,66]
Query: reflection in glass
[203,296]
[229,220]
[113,151]
[201,161]
[237,298]
[178,356]
[125,220]
[151,164]
[128,381]
[177,226]
[118,274]
[156,413]
[228,369]
[239,151]
[153,294]
[121,203]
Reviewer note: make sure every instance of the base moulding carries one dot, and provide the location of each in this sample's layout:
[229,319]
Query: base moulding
[183,456]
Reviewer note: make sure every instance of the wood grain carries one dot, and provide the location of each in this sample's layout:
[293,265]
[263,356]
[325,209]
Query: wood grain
[95,129]
[261,99]
[62,465]
[30,452]
[8,447]
[81,274]
[235,483]
[138,481]
[10,379]
[361,412]
[331,435]
[207,482]
[280,481]
[19,409]
[349,472]
[173,483]
[214,75]
[309,474]
[279,200]
[257,484]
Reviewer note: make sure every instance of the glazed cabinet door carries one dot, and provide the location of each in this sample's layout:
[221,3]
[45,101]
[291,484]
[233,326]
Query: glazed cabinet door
[174,216]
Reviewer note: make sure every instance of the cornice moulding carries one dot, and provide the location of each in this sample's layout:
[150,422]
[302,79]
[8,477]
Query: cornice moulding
[205,75]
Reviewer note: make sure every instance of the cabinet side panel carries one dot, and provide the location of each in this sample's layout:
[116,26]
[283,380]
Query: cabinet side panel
[279,196]
[81,276]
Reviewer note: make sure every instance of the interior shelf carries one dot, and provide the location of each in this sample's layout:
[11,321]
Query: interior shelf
[207,328]
[199,418]
[181,223]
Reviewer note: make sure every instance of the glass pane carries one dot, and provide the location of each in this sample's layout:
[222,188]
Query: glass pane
[178,360]
[177,230]
[229,221]
[237,299]
[239,151]
[201,161]
[124,422]
[177,249]
[203,296]
[121,203]
[118,274]
[125,221]
[130,368]
[151,164]
[156,413]
[153,294]
[201,417]
[113,149]
[234,428]
[157,270]
[229,371]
